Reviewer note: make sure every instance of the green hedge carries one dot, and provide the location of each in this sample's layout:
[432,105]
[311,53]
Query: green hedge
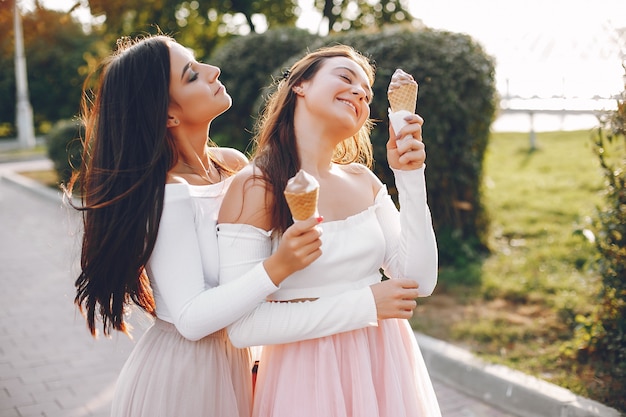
[65,148]
[457,98]
[248,64]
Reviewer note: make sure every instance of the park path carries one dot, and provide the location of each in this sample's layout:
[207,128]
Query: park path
[49,364]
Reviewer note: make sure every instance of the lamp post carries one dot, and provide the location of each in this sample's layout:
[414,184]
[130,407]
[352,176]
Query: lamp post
[23,111]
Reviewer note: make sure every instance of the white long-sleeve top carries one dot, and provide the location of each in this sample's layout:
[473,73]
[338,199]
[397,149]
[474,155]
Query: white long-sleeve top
[353,251]
[183,268]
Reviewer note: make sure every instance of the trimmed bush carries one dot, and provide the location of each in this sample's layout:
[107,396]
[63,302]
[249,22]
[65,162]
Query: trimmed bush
[249,62]
[65,147]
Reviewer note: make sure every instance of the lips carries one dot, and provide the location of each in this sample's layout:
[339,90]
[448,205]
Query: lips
[350,104]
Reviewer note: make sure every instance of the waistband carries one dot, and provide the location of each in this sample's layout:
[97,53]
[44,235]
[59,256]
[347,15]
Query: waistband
[165,326]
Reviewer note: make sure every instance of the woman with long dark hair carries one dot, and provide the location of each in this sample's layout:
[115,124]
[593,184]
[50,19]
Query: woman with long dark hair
[151,184]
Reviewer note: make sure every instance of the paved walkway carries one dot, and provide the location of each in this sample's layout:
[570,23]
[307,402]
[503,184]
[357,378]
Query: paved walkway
[49,364]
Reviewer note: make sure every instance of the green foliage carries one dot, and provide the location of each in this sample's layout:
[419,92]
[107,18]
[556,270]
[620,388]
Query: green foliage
[54,47]
[65,147]
[249,64]
[367,14]
[200,25]
[602,334]
[7,71]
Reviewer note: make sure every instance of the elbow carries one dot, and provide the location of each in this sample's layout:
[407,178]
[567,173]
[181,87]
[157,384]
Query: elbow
[426,291]
[189,335]
[427,284]
[237,339]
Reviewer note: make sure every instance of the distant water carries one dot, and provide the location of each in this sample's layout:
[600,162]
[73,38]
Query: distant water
[517,122]
[553,114]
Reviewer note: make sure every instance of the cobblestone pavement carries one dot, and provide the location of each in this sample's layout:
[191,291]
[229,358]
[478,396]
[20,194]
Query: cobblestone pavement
[49,364]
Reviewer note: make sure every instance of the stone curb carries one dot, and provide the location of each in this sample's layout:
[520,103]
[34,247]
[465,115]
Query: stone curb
[505,388]
[32,186]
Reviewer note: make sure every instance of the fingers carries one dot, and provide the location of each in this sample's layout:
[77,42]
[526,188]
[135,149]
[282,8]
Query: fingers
[301,243]
[395,298]
[406,151]
[410,126]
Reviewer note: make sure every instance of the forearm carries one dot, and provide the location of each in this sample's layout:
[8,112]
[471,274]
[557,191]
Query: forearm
[285,322]
[242,249]
[413,251]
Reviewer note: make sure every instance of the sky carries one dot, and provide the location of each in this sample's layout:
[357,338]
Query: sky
[542,48]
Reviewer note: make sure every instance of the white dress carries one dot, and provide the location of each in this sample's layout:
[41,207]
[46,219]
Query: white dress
[365,372]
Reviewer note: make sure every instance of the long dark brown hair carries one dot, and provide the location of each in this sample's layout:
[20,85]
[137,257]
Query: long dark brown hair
[276,154]
[127,154]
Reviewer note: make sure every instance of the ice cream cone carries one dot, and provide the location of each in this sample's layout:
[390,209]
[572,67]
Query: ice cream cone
[302,205]
[403,97]
[301,194]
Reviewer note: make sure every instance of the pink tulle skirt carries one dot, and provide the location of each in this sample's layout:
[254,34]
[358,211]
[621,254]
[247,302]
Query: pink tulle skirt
[167,375]
[370,372]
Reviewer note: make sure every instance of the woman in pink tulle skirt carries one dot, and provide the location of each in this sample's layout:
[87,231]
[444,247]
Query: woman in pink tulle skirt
[318,121]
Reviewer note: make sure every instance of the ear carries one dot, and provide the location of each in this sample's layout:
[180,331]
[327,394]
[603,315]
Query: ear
[172,121]
[298,89]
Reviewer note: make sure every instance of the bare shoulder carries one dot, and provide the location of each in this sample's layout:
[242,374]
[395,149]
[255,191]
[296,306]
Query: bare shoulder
[231,157]
[363,175]
[247,200]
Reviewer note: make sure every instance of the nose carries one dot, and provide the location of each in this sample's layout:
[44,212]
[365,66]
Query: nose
[212,72]
[359,91]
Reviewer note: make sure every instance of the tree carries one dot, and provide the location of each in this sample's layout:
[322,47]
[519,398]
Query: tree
[200,25]
[361,14]
[7,70]
[55,45]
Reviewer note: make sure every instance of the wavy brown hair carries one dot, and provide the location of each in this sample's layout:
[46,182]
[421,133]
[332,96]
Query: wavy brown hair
[276,153]
[128,151]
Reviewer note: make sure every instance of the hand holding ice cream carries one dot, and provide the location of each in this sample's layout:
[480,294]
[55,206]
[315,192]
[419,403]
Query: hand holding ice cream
[301,193]
[402,95]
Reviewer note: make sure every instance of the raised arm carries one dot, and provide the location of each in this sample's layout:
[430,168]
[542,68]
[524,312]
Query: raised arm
[411,248]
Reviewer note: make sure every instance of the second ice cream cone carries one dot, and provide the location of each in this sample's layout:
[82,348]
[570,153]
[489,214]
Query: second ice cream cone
[302,205]
[301,194]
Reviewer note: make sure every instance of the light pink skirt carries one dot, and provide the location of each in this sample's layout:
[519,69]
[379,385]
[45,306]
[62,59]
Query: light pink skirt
[371,372]
[167,375]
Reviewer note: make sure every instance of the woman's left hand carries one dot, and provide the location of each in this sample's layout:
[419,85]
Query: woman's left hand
[405,149]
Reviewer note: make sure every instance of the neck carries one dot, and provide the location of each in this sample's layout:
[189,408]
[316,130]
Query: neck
[315,154]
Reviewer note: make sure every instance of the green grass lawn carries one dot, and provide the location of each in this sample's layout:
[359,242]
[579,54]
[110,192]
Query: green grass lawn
[517,306]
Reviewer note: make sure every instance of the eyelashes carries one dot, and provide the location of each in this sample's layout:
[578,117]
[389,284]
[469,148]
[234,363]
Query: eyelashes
[348,79]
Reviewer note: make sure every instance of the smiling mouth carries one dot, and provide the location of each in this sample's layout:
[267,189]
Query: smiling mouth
[348,103]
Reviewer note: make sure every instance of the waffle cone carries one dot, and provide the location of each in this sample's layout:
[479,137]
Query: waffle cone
[302,205]
[403,97]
